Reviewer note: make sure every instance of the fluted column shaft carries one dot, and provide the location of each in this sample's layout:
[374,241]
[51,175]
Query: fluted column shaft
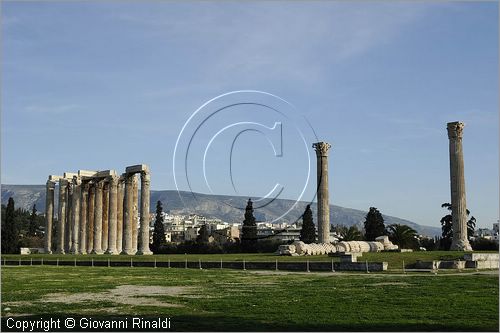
[84,193]
[119,217]
[105,215]
[98,219]
[75,215]
[68,230]
[322,191]
[128,211]
[49,214]
[135,213]
[145,198]
[460,241]
[61,223]
[113,203]
[90,218]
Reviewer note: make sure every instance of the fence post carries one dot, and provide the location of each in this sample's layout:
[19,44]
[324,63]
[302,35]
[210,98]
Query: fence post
[244,266]
[75,262]
[92,262]
[155,262]
[168,262]
[186,263]
[276,264]
[333,267]
[42,261]
[199,261]
[131,262]
[308,266]
[221,263]
[31,261]
[404,271]
[19,261]
[366,264]
[57,262]
[109,264]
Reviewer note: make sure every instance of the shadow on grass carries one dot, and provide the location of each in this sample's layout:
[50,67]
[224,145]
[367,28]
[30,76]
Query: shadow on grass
[196,323]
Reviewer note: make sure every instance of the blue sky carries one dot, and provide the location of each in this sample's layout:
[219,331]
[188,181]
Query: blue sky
[89,85]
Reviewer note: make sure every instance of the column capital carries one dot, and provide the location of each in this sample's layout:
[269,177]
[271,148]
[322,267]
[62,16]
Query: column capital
[51,184]
[113,180]
[145,177]
[99,184]
[455,130]
[321,148]
[77,180]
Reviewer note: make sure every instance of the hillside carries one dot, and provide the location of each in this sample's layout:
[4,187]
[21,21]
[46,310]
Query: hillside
[227,208]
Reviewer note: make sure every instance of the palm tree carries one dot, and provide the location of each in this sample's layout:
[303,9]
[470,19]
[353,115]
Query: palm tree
[403,236]
[349,234]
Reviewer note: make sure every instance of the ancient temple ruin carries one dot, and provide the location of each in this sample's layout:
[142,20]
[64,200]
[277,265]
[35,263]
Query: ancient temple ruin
[97,212]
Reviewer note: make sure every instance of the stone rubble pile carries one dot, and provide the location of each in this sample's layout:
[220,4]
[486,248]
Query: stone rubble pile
[299,248]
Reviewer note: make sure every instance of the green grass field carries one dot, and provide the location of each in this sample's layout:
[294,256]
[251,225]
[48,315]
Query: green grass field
[394,259]
[231,300]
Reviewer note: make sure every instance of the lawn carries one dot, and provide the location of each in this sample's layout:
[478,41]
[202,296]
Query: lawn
[231,300]
[394,259]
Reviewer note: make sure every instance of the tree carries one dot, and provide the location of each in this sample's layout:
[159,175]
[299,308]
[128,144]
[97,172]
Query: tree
[348,234]
[159,230]
[203,235]
[308,232]
[10,234]
[374,224]
[33,222]
[403,236]
[249,230]
[447,227]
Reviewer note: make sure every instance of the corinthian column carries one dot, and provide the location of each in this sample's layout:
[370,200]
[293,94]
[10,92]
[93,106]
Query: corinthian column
[105,215]
[113,203]
[90,218]
[49,214]
[61,223]
[144,232]
[98,219]
[84,194]
[322,191]
[119,216]
[68,229]
[128,209]
[135,213]
[460,241]
[75,215]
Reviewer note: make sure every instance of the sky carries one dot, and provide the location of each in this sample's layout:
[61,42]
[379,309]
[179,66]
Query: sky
[103,85]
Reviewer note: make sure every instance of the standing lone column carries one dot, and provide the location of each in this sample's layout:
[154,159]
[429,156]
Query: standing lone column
[128,215]
[460,241]
[63,184]
[113,201]
[145,197]
[75,215]
[98,219]
[84,193]
[322,191]
[49,214]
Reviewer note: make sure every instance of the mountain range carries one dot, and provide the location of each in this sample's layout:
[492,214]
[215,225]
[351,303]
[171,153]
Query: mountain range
[225,207]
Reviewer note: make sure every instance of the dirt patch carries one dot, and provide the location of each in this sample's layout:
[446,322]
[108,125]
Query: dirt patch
[124,294]
[389,284]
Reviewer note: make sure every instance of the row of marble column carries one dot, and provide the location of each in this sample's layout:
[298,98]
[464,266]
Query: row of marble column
[98,215]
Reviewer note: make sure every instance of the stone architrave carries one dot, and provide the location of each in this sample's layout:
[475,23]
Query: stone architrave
[49,214]
[98,219]
[119,216]
[128,208]
[322,191]
[460,241]
[105,215]
[135,213]
[84,194]
[145,198]
[113,203]
[75,215]
[63,187]
[68,230]
[90,217]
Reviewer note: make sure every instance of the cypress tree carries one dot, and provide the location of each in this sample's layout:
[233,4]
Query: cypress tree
[10,234]
[308,232]
[159,229]
[32,225]
[374,224]
[249,230]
